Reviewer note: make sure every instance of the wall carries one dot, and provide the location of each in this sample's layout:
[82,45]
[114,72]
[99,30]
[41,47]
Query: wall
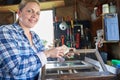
[85,14]
[7,18]
[82,12]
[115,50]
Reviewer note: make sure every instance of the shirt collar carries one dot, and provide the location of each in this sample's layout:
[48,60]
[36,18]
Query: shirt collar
[18,27]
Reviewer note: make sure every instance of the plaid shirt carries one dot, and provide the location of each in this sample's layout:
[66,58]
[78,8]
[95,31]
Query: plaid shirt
[18,60]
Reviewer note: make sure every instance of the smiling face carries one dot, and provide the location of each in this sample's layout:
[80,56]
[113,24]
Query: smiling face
[29,15]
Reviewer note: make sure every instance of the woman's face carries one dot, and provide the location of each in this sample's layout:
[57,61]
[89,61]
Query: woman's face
[29,15]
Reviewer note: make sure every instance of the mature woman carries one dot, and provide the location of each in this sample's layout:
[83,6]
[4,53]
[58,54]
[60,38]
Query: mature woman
[22,53]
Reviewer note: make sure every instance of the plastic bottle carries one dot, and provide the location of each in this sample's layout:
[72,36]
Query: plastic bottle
[112,8]
[105,8]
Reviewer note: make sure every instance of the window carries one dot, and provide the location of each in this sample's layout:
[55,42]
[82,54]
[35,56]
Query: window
[44,28]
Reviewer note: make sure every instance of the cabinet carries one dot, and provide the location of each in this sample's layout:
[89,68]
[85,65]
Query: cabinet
[105,20]
[111,47]
[109,24]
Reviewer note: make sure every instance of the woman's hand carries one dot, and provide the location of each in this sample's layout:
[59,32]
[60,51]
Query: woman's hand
[59,52]
[56,52]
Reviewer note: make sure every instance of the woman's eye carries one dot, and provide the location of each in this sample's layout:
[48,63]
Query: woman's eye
[33,12]
[29,11]
[38,13]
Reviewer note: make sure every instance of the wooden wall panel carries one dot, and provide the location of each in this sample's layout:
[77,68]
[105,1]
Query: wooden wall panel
[6,18]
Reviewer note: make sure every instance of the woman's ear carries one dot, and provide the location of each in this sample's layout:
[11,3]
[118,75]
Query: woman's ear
[18,12]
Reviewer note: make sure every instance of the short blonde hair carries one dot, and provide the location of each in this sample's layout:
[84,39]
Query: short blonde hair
[23,3]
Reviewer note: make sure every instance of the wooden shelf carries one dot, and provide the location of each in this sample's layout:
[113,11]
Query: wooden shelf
[43,5]
[110,41]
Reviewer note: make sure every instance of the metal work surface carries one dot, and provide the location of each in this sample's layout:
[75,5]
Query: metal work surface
[67,65]
[72,70]
[78,69]
[80,76]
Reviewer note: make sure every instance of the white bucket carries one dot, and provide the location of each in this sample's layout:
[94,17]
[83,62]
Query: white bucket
[105,8]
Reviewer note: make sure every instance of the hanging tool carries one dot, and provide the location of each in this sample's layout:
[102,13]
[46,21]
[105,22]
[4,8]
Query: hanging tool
[62,39]
[77,40]
[63,25]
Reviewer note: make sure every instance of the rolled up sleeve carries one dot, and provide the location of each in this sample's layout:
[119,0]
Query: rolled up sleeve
[42,58]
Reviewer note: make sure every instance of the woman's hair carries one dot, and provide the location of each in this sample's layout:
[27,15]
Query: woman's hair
[24,2]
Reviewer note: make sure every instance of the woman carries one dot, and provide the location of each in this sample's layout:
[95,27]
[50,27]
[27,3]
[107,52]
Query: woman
[22,53]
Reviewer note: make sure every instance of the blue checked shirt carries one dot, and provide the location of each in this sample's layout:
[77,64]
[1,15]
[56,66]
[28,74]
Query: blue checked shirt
[18,60]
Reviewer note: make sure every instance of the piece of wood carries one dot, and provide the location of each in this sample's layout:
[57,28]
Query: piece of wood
[85,51]
[43,5]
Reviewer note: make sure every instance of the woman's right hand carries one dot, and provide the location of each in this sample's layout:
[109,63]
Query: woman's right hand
[56,52]
[59,52]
